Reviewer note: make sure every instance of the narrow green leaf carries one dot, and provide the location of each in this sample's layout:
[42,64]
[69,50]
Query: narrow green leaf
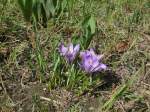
[92,24]
[28,9]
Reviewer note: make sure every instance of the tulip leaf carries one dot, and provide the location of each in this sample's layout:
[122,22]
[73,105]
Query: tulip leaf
[89,27]
[89,22]
[41,9]
[64,4]
[51,6]
[26,6]
[92,25]
[37,10]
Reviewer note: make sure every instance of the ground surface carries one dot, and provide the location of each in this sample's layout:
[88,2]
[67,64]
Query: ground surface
[123,36]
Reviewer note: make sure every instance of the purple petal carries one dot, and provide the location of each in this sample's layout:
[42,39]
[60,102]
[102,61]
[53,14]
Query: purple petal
[69,57]
[95,55]
[95,64]
[62,49]
[82,54]
[99,57]
[70,48]
[103,66]
[77,48]
[91,51]
[88,63]
[100,67]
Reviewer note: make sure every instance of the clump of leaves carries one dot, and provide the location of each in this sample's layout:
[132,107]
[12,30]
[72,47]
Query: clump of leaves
[41,10]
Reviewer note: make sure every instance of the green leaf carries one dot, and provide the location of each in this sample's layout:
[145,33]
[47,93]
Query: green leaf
[50,6]
[41,9]
[26,7]
[63,4]
[89,27]
[92,24]
[89,22]
[37,10]
[21,3]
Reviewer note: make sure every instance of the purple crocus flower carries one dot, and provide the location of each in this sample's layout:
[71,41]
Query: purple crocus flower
[90,62]
[70,52]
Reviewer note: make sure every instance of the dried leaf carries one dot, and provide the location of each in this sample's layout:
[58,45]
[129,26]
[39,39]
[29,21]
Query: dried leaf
[122,46]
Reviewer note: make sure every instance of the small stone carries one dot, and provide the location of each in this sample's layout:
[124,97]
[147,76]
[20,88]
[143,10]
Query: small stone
[44,89]
[91,108]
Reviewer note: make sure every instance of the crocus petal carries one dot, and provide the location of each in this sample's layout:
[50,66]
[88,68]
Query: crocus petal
[100,67]
[81,54]
[77,48]
[62,49]
[95,55]
[69,57]
[92,51]
[95,64]
[70,48]
[99,57]
[87,64]
[103,66]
